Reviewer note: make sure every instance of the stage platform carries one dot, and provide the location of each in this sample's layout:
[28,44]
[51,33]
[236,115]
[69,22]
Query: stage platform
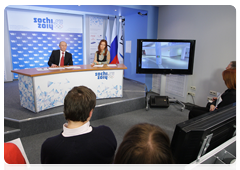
[21,122]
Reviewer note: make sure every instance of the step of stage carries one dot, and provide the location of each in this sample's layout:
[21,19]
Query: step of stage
[10,133]
[40,124]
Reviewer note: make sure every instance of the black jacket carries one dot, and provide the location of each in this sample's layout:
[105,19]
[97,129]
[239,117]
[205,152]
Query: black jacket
[228,97]
[55,57]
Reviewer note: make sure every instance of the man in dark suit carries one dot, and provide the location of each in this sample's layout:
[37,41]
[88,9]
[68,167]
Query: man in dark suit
[55,58]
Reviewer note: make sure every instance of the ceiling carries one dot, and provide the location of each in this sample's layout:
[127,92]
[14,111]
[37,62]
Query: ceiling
[114,10]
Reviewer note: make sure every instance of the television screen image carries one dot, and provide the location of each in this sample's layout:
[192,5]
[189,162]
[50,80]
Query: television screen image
[169,55]
[161,56]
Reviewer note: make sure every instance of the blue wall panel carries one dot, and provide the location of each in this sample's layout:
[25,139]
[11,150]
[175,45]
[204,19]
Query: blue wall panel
[139,27]
[135,28]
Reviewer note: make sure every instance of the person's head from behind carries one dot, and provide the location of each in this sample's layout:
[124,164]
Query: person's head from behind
[144,144]
[79,103]
[231,65]
[229,77]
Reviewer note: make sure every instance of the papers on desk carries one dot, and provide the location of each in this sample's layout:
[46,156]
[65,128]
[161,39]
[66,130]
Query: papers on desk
[109,65]
[70,67]
[50,68]
[56,68]
[42,69]
[112,65]
[98,66]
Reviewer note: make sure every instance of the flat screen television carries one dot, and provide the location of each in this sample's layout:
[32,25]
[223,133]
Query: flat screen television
[163,56]
[189,136]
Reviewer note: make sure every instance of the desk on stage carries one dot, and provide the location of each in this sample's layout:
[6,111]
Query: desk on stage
[44,88]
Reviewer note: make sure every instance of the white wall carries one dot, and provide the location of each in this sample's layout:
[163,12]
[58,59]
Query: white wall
[214,29]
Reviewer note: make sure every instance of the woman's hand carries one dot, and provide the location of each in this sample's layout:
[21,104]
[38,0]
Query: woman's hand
[94,63]
[214,98]
[212,108]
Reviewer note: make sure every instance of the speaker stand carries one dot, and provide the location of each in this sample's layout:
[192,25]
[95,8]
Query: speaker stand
[177,101]
[170,100]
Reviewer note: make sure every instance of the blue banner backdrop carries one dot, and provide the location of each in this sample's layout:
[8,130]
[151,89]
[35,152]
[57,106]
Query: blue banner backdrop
[33,49]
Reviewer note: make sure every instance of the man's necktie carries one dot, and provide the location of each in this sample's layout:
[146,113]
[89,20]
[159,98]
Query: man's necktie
[62,60]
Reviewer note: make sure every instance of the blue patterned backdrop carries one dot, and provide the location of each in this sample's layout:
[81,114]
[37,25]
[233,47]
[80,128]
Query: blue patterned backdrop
[33,49]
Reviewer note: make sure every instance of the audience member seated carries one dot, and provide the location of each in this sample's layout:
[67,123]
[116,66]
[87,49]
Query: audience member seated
[228,97]
[80,143]
[231,65]
[144,144]
[12,154]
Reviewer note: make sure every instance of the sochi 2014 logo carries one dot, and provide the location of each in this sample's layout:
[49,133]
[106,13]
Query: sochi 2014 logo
[58,24]
[104,75]
[47,23]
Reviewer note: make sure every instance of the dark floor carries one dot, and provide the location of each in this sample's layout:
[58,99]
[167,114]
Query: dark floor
[166,118]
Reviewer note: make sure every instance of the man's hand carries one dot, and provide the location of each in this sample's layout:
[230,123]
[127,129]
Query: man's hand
[53,65]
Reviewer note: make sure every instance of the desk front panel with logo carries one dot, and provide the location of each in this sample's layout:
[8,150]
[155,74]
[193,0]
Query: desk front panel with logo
[42,88]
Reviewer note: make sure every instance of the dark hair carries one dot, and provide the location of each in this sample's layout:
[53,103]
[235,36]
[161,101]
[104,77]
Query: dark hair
[144,144]
[229,77]
[106,49]
[78,103]
[233,64]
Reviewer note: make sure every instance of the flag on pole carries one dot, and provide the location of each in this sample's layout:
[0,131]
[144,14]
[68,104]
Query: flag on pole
[107,36]
[120,43]
[114,45]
